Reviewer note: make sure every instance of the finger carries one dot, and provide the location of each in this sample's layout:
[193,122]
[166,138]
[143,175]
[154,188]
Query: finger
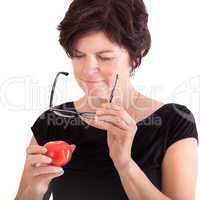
[36,149]
[123,115]
[48,177]
[104,111]
[46,170]
[38,159]
[111,129]
[44,179]
[41,164]
[111,106]
[115,121]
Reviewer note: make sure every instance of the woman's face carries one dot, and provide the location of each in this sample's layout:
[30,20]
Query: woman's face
[96,62]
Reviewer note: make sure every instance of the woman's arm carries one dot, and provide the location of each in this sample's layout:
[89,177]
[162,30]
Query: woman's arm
[179,169]
[179,174]
[137,185]
[35,180]
[29,194]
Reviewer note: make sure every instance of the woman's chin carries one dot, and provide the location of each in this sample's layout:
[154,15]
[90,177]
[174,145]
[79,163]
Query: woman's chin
[99,95]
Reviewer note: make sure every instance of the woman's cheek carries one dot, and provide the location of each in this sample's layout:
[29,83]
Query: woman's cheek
[110,77]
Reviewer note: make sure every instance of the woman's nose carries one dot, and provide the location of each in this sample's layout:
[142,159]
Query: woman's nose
[90,66]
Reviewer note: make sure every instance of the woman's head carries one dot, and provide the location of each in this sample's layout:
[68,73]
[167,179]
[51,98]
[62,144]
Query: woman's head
[91,27]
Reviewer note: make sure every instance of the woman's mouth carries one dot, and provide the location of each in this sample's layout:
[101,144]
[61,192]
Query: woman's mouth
[93,82]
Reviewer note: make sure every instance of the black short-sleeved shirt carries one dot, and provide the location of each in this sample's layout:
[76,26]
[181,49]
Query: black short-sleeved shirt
[91,174]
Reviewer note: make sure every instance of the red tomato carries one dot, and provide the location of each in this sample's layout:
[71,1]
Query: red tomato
[59,151]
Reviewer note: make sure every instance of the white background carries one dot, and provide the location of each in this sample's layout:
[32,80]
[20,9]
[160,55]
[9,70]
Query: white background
[30,56]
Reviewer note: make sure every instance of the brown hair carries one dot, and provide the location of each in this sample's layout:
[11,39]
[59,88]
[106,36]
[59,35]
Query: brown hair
[123,22]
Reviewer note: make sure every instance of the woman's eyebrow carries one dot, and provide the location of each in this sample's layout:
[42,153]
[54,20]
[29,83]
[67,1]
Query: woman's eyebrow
[105,51]
[76,50]
[98,52]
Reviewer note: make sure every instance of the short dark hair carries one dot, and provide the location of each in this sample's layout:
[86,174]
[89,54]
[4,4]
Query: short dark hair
[123,22]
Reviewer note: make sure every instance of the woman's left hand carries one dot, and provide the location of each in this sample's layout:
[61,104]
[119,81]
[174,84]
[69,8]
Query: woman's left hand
[121,129]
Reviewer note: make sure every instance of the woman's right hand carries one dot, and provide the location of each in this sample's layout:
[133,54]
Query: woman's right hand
[41,171]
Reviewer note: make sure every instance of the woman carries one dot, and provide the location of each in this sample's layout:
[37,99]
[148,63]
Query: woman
[135,147]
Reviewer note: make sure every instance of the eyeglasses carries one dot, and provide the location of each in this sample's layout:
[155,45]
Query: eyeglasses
[69,113]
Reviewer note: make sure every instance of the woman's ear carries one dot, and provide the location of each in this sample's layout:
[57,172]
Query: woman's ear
[142,52]
[133,65]
[132,68]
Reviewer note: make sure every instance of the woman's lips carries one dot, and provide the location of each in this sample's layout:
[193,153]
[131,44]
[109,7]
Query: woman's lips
[93,82]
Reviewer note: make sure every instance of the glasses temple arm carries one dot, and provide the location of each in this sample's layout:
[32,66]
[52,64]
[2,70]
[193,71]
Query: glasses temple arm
[54,85]
[111,96]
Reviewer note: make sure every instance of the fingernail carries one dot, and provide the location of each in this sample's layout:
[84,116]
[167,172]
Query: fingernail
[73,147]
[49,160]
[44,150]
[60,170]
[37,164]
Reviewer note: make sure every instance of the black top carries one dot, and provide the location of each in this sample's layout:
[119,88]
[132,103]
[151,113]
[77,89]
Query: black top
[91,175]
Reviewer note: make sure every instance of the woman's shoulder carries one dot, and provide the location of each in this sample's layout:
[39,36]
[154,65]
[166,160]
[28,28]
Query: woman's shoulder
[180,109]
[182,123]
[179,112]
[148,107]
[167,112]
[176,112]
[177,121]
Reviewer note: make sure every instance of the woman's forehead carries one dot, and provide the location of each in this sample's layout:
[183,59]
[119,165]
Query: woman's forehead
[96,42]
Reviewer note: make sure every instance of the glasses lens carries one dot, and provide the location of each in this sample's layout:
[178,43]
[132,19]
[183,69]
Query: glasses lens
[64,113]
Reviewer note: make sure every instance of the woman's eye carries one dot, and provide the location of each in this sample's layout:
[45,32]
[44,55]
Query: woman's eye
[105,59]
[99,57]
[77,56]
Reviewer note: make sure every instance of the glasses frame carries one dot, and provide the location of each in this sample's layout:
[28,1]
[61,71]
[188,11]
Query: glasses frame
[73,114]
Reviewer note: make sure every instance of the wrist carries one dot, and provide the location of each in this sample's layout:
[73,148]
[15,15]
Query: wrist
[30,194]
[122,166]
[129,168]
